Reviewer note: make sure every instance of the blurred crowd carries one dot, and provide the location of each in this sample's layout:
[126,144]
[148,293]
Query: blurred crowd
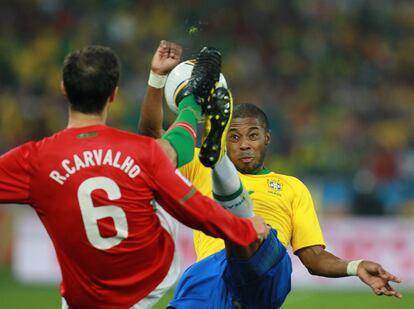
[335,77]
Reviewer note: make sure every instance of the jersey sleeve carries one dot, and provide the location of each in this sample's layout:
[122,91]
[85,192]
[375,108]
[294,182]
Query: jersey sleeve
[179,198]
[306,229]
[15,175]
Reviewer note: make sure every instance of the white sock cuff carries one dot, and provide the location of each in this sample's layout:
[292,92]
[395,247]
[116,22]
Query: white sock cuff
[226,180]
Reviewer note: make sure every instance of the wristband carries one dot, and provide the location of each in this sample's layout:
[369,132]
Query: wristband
[157,81]
[352,267]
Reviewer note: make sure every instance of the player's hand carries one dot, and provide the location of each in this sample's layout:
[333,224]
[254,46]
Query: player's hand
[166,57]
[262,229]
[378,279]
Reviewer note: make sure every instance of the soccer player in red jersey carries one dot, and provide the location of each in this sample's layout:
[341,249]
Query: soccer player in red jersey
[92,187]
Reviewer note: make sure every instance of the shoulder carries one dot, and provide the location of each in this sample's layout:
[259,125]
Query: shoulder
[23,151]
[133,136]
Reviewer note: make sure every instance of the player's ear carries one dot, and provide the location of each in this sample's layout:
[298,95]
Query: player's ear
[267,137]
[62,88]
[113,95]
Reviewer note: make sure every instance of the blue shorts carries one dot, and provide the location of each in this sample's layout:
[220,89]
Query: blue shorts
[218,282]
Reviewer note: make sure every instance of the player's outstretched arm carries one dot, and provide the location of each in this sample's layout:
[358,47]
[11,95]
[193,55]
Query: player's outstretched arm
[166,57]
[320,262]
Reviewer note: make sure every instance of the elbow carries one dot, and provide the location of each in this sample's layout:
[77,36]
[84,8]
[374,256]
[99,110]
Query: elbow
[312,271]
[317,270]
[313,268]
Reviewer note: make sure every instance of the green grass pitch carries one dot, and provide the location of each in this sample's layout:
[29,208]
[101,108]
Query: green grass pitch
[16,296]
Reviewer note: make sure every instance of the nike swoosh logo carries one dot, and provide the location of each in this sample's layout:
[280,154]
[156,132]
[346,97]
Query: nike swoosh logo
[250,192]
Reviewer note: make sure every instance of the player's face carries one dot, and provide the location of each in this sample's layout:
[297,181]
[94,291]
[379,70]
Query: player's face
[246,144]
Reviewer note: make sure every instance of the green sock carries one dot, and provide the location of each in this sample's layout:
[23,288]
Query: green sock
[182,133]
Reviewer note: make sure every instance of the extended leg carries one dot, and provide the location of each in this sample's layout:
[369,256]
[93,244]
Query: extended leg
[228,190]
[192,97]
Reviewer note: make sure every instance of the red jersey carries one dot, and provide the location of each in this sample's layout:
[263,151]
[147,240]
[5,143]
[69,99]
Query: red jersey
[92,188]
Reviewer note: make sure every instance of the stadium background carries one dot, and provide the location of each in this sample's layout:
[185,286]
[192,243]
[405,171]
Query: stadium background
[336,79]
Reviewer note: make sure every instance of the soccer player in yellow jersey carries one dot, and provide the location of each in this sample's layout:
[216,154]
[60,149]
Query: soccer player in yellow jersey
[283,201]
[227,275]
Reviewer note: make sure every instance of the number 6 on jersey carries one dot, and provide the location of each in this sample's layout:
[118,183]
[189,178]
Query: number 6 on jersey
[91,214]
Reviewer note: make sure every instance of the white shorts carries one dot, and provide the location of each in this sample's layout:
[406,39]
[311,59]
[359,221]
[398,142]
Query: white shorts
[171,226]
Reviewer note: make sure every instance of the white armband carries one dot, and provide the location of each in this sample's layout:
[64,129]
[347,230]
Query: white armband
[352,267]
[157,81]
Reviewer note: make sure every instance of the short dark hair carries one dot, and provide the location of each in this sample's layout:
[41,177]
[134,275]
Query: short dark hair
[245,110]
[90,75]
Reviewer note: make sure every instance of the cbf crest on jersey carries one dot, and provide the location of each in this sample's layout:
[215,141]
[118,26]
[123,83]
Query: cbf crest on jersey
[275,185]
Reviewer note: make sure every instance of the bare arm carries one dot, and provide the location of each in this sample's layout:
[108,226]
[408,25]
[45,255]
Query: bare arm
[153,126]
[166,57]
[320,262]
[152,115]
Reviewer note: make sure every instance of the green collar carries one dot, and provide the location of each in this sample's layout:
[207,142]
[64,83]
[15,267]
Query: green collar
[264,171]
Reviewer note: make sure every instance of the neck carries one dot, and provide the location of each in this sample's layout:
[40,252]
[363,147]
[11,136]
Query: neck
[262,171]
[77,119]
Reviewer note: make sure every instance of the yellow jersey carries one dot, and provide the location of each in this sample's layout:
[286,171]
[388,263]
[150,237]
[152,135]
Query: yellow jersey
[283,201]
